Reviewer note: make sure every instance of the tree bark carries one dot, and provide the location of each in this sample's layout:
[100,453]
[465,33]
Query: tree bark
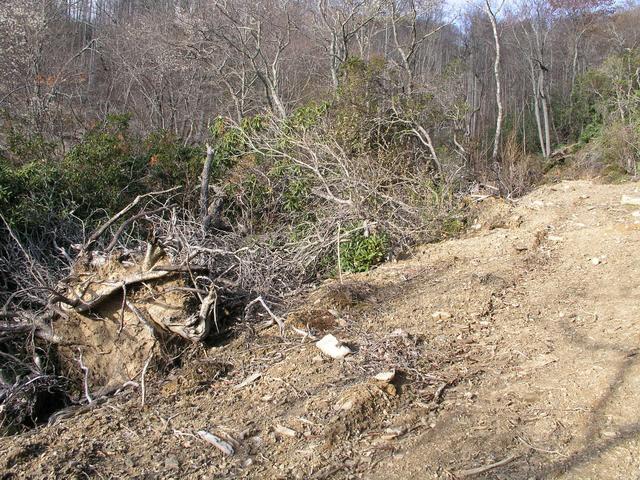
[496,73]
[204,188]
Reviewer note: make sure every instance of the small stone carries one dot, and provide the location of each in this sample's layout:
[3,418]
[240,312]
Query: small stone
[441,315]
[390,389]
[331,346]
[596,261]
[398,332]
[345,405]
[386,377]
[628,200]
[285,431]
[171,462]
[393,432]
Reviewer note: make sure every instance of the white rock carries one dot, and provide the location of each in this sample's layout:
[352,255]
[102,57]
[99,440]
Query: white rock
[555,238]
[441,315]
[393,432]
[247,381]
[596,261]
[220,444]
[398,332]
[330,345]
[386,376]
[286,431]
[628,200]
[344,405]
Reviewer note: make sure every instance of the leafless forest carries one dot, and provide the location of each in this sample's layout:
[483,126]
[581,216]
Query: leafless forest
[249,148]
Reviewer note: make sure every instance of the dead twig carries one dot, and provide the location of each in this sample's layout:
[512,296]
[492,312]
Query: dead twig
[485,468]
[124,304]
[85,380]
[437,396]
[277,319]
[541,450]
[143,388]
[98,233]
[129,221]
[81,306]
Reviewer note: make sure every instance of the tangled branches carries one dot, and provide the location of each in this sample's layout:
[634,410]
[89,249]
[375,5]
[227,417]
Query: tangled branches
[285,215]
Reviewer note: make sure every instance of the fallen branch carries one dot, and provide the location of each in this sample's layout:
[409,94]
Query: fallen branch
[98,233]
[143,390]
[151,325]
[85,380]
[476,471]
[128,222]
[82,306]
[277,319]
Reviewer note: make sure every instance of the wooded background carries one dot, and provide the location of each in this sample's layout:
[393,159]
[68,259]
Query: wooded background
[176,65]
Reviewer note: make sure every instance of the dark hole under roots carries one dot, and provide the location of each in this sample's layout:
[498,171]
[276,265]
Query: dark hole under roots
[31,403]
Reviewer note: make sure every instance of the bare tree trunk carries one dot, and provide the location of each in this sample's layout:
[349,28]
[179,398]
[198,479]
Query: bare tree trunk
[496,73]
[536,109]
[545,115]
[204,189]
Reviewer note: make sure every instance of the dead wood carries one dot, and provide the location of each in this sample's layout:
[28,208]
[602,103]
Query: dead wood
[101,230]
[81,306]
[485,468]
[129,221]
[205,218]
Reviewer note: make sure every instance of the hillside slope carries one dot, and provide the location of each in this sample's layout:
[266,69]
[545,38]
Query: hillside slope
[517,351]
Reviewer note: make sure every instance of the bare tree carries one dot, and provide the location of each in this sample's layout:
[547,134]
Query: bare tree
[410,28]
[496,72]
[260,33]
[340,23]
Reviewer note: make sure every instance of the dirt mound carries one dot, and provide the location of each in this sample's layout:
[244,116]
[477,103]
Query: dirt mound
[515,351]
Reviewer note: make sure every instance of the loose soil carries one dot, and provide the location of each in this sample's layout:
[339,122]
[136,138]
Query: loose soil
[516,347]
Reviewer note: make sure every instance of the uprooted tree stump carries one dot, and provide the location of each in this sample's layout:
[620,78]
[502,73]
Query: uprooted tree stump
[119,309]
[121,312]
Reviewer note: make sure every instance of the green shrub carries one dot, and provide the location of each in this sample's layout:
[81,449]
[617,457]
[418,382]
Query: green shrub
[30,195]
[23,148]
[452,227]
[230,141]
[106,169]
[360,252]
[306,117]
[170,162]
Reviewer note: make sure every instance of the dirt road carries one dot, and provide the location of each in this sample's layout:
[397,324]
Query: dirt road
[516,347]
